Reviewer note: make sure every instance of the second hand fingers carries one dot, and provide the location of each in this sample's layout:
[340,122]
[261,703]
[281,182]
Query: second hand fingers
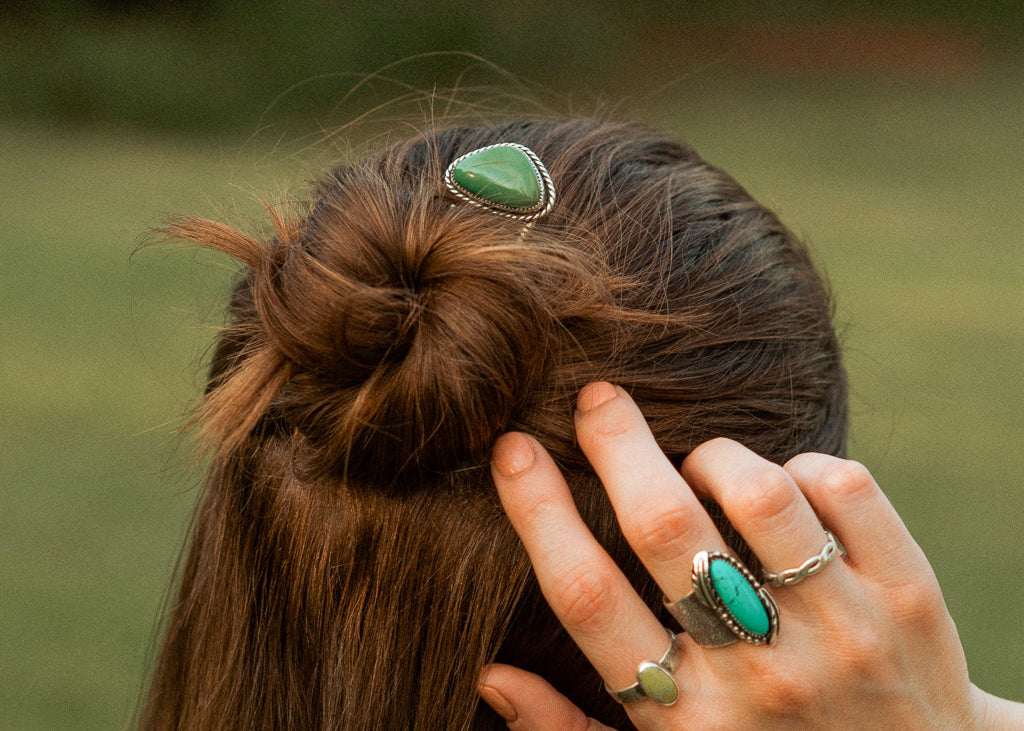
[586,590]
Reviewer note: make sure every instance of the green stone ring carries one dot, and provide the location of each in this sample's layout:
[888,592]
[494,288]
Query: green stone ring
[654,679]
[508,179]
[727,604]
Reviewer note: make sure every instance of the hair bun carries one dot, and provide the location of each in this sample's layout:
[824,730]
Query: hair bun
[413,329]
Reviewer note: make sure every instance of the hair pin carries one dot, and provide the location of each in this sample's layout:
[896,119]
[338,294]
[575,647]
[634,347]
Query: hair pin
[507,178]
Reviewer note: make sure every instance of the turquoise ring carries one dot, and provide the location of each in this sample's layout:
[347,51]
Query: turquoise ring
[727,604]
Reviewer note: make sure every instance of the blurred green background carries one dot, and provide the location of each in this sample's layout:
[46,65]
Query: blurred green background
[888,137]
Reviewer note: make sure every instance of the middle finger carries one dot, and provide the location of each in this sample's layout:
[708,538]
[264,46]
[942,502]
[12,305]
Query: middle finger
[657,511]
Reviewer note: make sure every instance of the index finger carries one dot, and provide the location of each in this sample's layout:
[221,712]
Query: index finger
[586,590]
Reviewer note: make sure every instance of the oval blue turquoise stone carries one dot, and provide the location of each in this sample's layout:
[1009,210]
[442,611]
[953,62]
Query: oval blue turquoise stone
[739,597]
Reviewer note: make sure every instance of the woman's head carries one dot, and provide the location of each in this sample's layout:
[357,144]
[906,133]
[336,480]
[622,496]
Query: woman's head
[351,566]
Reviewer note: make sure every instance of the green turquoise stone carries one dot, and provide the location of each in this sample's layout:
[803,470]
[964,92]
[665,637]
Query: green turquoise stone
[656,682]
[739,597]
[503,175]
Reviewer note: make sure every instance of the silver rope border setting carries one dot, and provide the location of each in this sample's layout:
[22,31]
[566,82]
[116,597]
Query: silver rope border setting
[528,216]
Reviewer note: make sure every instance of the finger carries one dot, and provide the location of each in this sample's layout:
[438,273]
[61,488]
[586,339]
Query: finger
[657,511]
[761,500]
[853,506]
[586,590]
[529,703]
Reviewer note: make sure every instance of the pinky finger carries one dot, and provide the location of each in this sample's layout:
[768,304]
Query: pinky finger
[849,501]
[529,703]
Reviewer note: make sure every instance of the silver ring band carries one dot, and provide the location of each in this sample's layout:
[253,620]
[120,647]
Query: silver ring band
[701,622]
[808,568]
[654,679]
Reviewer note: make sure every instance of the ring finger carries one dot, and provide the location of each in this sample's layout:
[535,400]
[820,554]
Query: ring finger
[763,503]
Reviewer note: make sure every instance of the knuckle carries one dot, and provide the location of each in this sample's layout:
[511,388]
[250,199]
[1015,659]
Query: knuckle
[583,596]
[860,651]
[806,460]
[768,498]
[865,655]
[783,691]
[707,450]
[664,536]
[916,603]
[847,480]
[538,511]
[609,422]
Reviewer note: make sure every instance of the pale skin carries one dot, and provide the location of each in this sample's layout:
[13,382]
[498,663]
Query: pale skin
[865,643]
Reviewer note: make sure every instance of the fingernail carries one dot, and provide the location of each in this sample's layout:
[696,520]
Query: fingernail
[498,702]
[513,453]
[595,394]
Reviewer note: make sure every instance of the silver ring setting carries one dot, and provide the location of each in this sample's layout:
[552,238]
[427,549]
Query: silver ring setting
[654,679]
[727,604]
[492,195]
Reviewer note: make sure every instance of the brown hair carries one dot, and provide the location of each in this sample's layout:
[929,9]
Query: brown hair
[350,565]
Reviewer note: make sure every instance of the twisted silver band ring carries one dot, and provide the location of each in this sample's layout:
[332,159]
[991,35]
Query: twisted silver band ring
[808,568]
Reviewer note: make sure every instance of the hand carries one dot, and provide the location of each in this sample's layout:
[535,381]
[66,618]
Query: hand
[865,643]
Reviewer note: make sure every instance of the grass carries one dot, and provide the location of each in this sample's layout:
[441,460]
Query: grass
[100,356]
[909,195]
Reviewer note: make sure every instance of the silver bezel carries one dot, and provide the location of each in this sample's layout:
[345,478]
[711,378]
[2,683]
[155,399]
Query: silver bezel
[668,662]
[664,669]
[547,187]
[704,588]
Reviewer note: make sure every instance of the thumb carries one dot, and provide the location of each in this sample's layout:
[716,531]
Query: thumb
[529,703]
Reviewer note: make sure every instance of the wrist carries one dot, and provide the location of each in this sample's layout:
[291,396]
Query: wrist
[992,713]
